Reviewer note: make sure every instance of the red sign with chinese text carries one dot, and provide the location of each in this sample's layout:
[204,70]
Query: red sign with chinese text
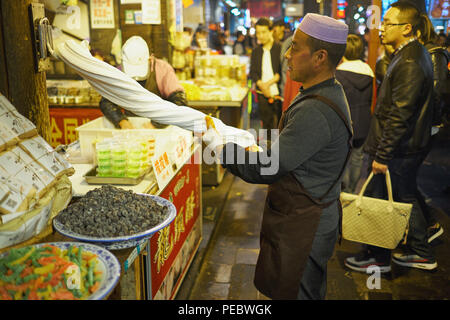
[184,191]
[63,122]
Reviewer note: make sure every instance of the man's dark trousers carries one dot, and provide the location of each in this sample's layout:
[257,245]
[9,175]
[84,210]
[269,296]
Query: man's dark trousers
[403,172]
[269,113]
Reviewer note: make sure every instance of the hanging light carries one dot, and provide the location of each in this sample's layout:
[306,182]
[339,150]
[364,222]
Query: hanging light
[235,11]
[230,3]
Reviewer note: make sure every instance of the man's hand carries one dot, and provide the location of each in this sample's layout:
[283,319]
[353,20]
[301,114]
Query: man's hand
[125,124]
[379,167]
[276,77]
[254,148]
[148,125]
[213,139]
[265,88]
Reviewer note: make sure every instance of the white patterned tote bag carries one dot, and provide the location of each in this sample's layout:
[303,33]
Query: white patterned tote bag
[378,222]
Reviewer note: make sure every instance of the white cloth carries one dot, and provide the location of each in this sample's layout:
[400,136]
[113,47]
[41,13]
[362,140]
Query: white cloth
[267,72]
[122,90]
[356,66]
[212,139]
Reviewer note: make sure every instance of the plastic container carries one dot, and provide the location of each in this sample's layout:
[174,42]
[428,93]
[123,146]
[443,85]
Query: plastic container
[105,166]
[134,164]
[104,172]
[135,155]
[118,172]
[104,162]
[103,150]
[118,153]
[133,173]
[101,128]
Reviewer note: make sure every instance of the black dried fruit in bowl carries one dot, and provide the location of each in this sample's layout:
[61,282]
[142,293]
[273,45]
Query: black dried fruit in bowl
[112,212]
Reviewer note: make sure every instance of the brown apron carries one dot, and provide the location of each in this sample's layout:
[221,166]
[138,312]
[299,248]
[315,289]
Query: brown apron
[290,220]
[151,84]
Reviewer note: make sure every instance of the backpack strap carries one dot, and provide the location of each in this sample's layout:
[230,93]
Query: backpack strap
[341,115]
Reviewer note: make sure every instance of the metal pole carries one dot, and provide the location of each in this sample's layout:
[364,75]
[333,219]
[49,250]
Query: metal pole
[148,272]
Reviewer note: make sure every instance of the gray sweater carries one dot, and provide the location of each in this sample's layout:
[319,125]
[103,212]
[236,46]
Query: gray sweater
[313,146]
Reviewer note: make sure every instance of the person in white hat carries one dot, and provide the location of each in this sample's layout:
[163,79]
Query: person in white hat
[156,75]
[300,223]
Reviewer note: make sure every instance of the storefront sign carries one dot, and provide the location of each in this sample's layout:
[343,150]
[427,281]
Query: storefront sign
[102,14]
[163,169]
[151,11]
[173,247]
[64,121]
[193,12]
[267,8]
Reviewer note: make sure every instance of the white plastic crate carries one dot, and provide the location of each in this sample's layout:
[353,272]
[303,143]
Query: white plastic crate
[102,128]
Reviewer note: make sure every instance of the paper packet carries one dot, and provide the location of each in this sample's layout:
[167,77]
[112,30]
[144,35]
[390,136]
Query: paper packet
[34,148]
[8,137]
[11,162]
[19,197]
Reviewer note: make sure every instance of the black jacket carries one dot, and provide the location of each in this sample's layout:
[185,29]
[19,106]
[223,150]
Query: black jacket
[358,87]
[441,80]
[256,61]
[402,120]
[380,68]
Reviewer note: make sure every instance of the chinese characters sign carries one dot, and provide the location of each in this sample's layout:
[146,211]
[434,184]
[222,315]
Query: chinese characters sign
[151,11]
[267,8]
[64,121]
[102,14]
[162,167]
[184,191]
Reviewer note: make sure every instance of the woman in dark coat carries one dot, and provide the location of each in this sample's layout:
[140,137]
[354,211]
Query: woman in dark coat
[356,78]
[441,94]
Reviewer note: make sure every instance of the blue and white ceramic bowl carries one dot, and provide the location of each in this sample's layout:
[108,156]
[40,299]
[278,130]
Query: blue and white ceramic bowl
[108,265]
[122,242]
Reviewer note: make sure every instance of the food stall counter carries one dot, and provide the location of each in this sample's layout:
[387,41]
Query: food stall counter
[160,262]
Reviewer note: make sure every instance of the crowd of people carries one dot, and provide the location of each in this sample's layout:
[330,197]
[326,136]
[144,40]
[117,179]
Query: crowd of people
[327,125]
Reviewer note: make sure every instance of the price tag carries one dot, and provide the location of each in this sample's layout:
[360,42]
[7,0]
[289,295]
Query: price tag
[181,151]
[163,169]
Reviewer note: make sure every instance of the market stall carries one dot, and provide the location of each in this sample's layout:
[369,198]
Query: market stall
[37,192]
[161,262]
[42,185]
